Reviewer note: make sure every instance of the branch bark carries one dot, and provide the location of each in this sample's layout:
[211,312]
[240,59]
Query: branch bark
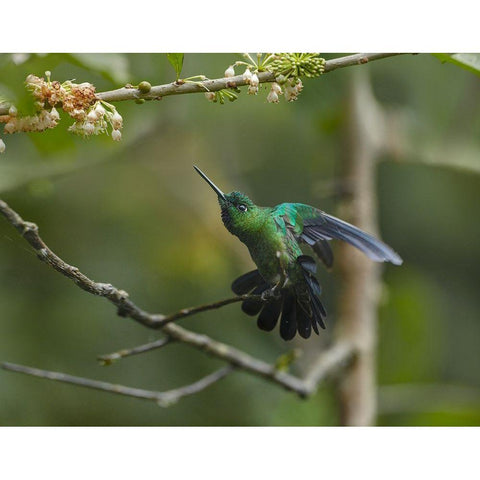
[159,91]
[164,399]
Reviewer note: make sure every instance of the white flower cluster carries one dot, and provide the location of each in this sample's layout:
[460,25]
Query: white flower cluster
[96,119]
[275,91]
[33,123]
[292,88]
[77,100]
[251,79]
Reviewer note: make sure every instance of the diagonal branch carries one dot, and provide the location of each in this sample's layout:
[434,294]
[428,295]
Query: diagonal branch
[159,91]
[126,308]
[164,399]
[328,361]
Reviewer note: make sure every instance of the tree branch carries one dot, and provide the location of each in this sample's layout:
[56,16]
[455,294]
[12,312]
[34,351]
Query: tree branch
[164,399]
[127,308]
[159,91]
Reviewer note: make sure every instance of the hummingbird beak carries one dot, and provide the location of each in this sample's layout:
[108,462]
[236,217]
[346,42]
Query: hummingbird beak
[214,187]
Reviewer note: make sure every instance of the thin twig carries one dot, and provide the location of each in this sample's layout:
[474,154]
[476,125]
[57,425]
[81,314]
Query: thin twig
[162,398]
[109,358]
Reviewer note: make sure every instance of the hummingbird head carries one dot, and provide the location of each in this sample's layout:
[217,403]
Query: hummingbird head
[239,214]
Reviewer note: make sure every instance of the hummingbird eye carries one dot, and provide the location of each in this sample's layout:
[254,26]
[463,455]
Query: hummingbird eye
[242,207]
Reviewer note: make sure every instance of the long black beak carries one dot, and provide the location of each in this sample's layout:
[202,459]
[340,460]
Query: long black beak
[214,187]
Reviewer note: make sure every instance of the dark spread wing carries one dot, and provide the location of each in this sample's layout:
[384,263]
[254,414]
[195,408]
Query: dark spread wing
[325,227]
[316,228]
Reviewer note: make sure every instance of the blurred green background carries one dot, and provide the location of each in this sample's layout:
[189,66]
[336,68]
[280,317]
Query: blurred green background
[135,214]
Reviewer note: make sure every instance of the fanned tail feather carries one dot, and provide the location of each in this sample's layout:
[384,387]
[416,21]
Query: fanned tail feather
[318,313]
[247,282]
[288,322]
[298,311]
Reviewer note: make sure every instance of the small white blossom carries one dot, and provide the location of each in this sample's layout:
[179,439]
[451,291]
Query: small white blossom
[116,135]
[2,146]
[247,75]
[88,128]
[54,114]
[117,120]
[254,80]
[100,110]
[276,88]
[230,72]
[290,93]
[92,116]
[78,114]
[210,96]
[272,97]
[12,111]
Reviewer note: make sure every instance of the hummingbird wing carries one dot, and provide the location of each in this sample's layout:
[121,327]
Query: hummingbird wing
[315,228]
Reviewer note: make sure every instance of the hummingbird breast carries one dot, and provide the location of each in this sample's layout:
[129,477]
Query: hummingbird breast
[274,252]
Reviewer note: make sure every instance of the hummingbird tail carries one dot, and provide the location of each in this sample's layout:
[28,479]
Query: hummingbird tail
[313,307]
[298,310]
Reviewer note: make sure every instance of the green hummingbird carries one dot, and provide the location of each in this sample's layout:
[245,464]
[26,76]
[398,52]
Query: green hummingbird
[285,282]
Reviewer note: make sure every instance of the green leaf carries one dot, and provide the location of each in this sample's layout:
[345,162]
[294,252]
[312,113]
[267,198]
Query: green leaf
[176,60]
[468,61]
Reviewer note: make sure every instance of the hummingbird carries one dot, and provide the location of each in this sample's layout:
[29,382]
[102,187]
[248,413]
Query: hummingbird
[284,284]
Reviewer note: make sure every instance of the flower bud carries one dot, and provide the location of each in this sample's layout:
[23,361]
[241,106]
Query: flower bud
[2,146]
[230,72]
[254,80]
[12,111]
[144,86]
[210,96]
[116,135]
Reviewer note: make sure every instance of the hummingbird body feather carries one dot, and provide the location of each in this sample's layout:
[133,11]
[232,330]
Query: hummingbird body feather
[273,237]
